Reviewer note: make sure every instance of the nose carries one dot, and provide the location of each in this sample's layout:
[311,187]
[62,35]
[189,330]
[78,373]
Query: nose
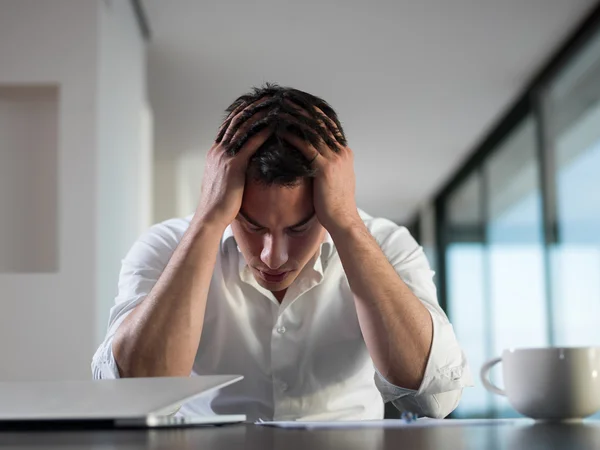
[275,251]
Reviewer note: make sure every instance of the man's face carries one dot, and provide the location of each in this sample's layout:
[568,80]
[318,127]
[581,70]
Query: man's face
[277,232]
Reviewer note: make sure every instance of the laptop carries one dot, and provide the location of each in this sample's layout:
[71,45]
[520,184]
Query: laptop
[121,403]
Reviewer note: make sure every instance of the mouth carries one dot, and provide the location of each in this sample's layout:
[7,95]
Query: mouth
[273,277]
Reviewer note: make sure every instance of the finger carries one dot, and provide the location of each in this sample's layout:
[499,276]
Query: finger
[331,127]
[236,110]
[312,129]
[226,125]
[223,127]
[241,122]
[230,125]
[299,109]
[256,126]
[326,145]
[306,148]
[254,143]
[311,123]
[246,126]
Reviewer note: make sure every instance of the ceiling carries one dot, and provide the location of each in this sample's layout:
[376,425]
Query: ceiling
[416,83]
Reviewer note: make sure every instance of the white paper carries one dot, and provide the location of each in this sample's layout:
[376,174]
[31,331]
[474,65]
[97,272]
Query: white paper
[389,423]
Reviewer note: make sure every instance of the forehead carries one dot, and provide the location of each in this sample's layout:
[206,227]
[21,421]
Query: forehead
[278,206]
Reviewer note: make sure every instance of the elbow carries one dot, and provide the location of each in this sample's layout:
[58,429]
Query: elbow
[96,371]
[435,406]
[136,361]
[118,354]
[103,363]
[442,404]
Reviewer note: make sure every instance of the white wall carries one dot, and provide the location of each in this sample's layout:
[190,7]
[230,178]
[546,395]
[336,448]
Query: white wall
[49,323]
[29,176]
[124,152]
[178,180]
[166,197]
[45,319]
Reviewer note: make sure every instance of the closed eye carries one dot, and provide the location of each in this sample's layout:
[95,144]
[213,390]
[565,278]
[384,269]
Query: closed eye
[297,230]
[255,229]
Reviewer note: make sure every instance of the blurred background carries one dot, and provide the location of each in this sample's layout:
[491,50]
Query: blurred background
[476,123]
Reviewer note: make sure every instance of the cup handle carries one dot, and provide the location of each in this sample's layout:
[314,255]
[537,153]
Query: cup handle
[485,370]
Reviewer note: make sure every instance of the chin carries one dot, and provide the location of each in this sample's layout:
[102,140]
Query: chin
[274,287]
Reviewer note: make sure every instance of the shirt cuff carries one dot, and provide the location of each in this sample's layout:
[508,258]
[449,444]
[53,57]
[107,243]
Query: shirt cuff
[104,365]
[446,370]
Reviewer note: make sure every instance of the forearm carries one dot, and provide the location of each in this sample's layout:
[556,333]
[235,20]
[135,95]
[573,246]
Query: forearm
[160,336]
[396,326]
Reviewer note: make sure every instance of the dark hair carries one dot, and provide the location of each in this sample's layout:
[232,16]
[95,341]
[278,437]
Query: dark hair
[287,110]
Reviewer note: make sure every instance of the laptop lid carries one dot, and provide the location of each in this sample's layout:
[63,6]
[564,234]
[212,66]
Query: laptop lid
[103,399]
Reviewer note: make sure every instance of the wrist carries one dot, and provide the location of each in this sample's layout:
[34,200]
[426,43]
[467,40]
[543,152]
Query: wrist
[345,227]
[205,225]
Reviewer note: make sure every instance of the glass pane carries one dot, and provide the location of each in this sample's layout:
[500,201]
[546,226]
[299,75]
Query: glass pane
[466,289]
[495,263]
[466,294]
[516,247]
[573,108]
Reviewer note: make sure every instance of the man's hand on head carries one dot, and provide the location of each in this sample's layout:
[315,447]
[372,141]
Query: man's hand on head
[335,180]
[225,174]
[315,134]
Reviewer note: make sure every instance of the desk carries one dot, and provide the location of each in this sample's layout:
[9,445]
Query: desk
[481,437]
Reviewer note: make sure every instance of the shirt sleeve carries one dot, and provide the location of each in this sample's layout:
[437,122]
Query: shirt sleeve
[447,371]
[140,270]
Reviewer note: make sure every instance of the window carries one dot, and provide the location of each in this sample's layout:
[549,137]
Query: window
[495,261]
[573,114]
[465,263]
[518,226]
[515,248]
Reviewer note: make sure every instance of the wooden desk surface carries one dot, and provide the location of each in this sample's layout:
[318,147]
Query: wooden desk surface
[572,436]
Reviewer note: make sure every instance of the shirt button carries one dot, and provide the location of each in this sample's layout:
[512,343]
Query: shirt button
[281,330]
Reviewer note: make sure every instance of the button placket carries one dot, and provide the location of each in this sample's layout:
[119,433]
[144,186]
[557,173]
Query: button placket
[280,365]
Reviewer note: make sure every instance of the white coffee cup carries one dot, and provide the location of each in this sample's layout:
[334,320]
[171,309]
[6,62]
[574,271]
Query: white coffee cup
[549,383]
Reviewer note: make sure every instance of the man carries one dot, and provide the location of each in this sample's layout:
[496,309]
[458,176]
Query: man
[326,311]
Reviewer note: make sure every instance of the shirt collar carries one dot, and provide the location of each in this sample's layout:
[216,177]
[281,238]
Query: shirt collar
[312,274]
[227,236]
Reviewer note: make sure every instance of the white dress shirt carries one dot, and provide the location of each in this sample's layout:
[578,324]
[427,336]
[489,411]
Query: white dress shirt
[306,357]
